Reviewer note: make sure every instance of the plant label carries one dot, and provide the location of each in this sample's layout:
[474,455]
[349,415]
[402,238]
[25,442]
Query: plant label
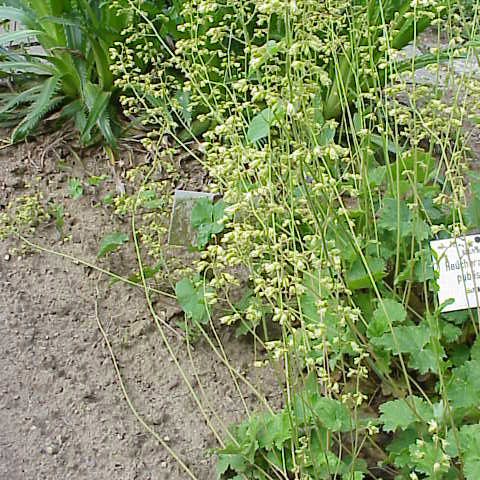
[457,262]
[181,232]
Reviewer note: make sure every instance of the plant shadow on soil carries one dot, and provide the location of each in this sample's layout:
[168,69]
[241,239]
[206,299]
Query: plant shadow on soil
[63,412]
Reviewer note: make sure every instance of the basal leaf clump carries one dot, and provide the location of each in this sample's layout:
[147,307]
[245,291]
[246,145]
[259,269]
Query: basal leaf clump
[68,71]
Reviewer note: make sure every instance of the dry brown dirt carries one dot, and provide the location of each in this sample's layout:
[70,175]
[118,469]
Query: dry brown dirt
[63,413]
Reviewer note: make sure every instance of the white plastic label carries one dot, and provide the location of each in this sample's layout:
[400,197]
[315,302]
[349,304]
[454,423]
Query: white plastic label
[457,262]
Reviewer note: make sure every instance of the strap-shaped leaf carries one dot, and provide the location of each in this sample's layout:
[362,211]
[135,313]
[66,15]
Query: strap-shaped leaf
[103,64]
[422,61]
[26,67]
[43,104]
[23,97]
[66,21]
[18,36]
[106,129]
[90,14]
[97,102]
[16,14]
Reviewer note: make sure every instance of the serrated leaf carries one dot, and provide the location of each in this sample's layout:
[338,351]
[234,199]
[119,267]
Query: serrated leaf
[332,414]
[105,127]
[111,242]
[205,219]
[391,312]
[203,234]
[450,333]
[191,300]
[469,446]
[458,318]
[148,272]
[396,216]
[398,447]
[27,67]
[408,339]
[427,458]
[202,212]
[42,104]
[234,461]
[425,360]
[432,211]
[326,463]
[273,430]
[420,230]
[26,96]
[463,386]
[357,277]
[412,339]
[399,414]
[148,199]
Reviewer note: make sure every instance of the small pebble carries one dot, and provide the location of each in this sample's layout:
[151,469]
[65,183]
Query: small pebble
[52,449]
[6,257]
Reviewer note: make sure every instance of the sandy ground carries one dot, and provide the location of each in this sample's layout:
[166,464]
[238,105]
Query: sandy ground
[63,413]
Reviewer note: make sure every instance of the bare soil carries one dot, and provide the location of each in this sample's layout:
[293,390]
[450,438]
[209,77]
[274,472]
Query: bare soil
[64,415]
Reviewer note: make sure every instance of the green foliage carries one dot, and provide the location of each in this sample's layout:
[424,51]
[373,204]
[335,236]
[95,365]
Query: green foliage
[412,339]
[56,211]
[23,216]
[191,296]
[388,313]
[72,75]
[75,188]
[259,126]
[463,388]
[359,277]
[263,444]
[403,413]
[396,216]
[111,242]
[96,180]
[468,447]
[191,300]
[338,168]
[205,219]
[210,77]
